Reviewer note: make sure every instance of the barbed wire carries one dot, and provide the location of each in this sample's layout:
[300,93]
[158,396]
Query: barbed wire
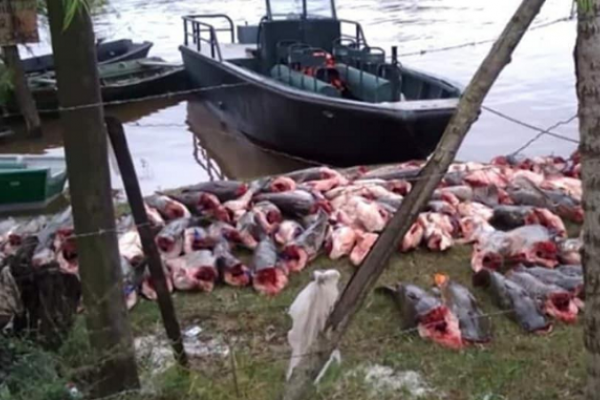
[541,131]
[519,150]
[479,42]
[163,96]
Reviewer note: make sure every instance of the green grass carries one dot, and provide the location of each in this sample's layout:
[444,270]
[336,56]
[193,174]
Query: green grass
[514,365]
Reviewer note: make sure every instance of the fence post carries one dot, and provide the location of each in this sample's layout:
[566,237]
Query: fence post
[136,202]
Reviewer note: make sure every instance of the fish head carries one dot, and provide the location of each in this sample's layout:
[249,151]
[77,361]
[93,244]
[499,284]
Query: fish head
[397,186]
[205,277]
[237,275]
[561,306]
[270,281]
[441,326]
[282,184]
[295,258]
[439,240]
[543,253]
[175,210]
[413,238]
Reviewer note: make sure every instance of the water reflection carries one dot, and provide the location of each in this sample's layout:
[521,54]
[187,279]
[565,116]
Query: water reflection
[537,87]
[228,149]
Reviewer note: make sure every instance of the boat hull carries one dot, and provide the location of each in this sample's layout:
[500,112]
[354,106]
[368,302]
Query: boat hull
[324,130]
[107,52]
[32,184]
[47,99]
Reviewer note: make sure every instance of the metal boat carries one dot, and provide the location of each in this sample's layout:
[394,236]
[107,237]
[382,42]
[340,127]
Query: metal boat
[107,52]
[30,182]
[307,83]
[122,81]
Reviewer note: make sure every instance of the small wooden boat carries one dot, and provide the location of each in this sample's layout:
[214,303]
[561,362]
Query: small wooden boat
[125,80]
[30,182]
[107,52]
[299,83]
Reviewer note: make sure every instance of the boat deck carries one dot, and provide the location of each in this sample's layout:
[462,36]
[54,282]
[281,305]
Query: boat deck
[229,51]
[56,165]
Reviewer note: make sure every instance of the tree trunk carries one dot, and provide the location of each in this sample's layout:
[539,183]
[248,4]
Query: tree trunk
[587,60]
[375,263]
[85,142]
[22,92]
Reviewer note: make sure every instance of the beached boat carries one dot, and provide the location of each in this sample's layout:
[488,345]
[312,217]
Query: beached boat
[107,52]
[299,84]
[30,182]
[122,81]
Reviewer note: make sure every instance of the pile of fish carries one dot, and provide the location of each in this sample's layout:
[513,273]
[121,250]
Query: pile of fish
[511,210]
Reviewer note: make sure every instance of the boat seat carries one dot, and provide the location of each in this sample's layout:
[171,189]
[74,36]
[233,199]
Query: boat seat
[364,85]
[319,33]
[307,57]
[302,81]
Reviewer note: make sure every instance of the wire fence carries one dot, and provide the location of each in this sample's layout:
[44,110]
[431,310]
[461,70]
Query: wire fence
[283,354]
[480,42]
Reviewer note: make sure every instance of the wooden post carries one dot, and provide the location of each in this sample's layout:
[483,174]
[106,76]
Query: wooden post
[587,59]
[361,283]
[136,202]
[85,143]
[22,91]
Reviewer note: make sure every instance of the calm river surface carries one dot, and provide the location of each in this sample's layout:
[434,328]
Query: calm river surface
[537,87]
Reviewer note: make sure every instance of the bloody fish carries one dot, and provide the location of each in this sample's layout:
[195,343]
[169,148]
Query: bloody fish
[204,204]
[232,271]
[514,299]
[223,190]
[364,242]
[474,326]
[249,229]
[282,184]
[268,276]
[424,312]
[306,247]
[197,238]
[168,208]
[194,271]
[287,232]
[295,203]
[556,277]
[553,300]
[170,239]
[268,215]
[341,243]
[569,251]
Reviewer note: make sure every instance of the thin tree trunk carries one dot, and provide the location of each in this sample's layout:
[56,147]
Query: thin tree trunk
[85,140]
[22,91]
[364,279]
[587,60]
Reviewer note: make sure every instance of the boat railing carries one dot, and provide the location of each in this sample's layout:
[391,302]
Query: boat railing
[198,30]
[358,36]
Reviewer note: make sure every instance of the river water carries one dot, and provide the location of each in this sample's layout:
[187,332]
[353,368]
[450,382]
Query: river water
[179,143]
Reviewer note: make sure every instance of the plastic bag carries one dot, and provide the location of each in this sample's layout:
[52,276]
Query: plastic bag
[309,313]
